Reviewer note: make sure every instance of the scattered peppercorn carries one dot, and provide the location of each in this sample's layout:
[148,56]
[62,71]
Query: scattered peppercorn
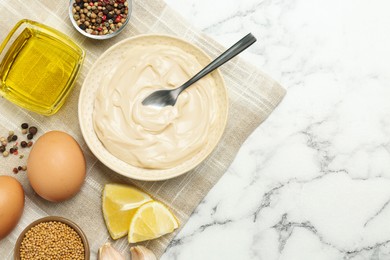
[7,150]
[33,130]
[19,168]
[63,242]
[91,15]
[13,150]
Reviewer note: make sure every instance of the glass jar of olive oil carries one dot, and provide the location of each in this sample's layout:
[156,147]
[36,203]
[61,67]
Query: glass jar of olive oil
[38,67]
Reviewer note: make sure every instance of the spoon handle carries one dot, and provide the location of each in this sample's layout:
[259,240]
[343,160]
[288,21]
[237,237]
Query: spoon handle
[237,48]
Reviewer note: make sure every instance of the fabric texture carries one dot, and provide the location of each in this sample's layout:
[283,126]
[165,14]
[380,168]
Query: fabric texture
[252,98]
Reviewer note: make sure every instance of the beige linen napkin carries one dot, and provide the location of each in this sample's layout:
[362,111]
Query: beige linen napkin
[253,96]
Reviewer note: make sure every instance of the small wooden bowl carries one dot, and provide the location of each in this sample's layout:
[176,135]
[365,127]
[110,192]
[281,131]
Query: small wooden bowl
[49,219]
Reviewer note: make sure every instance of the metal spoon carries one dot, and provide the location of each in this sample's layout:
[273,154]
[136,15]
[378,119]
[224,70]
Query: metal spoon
[162,98]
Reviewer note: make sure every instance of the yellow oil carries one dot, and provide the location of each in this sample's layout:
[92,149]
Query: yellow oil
[38,70]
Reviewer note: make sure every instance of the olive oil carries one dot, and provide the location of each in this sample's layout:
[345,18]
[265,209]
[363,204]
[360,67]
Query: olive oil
[39,68]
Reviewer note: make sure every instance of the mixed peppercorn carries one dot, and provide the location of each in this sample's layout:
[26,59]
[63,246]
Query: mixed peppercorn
[10,146]
[100,17]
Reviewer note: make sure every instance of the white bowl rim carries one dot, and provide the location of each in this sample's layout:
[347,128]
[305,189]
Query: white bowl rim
[116,168]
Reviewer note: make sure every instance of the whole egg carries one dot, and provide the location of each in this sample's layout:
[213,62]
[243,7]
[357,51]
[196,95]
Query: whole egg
[11,204]
[56,166]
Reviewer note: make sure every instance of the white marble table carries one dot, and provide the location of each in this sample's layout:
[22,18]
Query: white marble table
[313,181]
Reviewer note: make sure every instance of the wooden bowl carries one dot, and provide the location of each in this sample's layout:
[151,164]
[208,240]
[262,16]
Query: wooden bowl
[50,219]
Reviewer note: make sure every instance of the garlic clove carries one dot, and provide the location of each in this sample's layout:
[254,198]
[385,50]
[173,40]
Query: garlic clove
[107,252]
[141,253]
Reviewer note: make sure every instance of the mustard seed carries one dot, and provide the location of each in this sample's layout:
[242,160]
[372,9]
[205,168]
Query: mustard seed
[52,240]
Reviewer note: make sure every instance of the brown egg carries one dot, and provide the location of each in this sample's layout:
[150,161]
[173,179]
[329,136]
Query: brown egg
[11,204]
[56,166]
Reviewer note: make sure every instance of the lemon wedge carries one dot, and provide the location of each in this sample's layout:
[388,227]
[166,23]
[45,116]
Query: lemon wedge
[151,220]
[119,203]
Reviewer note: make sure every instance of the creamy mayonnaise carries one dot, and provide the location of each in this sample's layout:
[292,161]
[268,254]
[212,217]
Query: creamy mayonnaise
[145,136]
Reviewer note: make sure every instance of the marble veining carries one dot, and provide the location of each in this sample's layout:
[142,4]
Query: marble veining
[313,181]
